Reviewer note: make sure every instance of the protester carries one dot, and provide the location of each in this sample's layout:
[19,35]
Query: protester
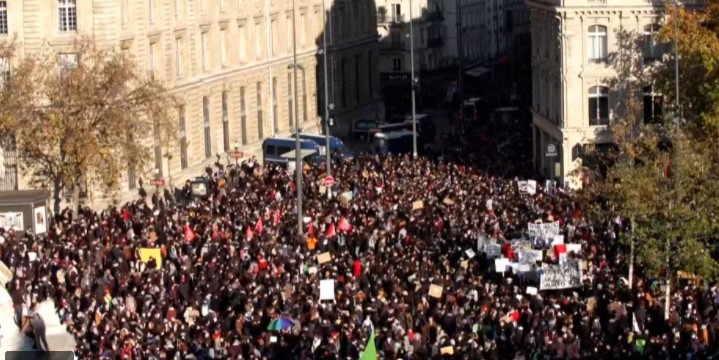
[230,264]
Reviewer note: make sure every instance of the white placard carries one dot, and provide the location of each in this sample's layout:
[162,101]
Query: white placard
[493,250]
[566,276]
[500,264]
[327,289]
[40,217]
[531,290]
[32,256]
[575,248]
[12,220]
[548,230]
[557,240]
[470,253]
[523,268]
[530,256]
[527,186]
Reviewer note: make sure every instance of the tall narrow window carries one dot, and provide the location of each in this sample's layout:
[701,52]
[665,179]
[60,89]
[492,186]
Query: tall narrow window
[597,43]
[302,30]
[241,46]
[178,57]
[123,12]
[304,97]
[653,49]
[225,123]
[357,79]
[289,34]
[152,61]
[177,9]
[290,109]
[652,106]
[206,118]
[370,79]
[223,47]
[67,15]
[243,115]
[152,11]
[260,120]
[3,18]
[258,40]
[222,5]
[183,137]
[203,6]
[598,105]
[274,43]
[204,47]
[274,103]
[4,72]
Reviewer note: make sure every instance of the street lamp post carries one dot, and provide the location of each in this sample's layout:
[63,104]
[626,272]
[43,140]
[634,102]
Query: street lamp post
[413,83]
[328,106]
[298,159]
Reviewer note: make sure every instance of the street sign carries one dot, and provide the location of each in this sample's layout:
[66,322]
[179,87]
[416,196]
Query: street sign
[551,150]
[236,154]
[329,181]
[158,182]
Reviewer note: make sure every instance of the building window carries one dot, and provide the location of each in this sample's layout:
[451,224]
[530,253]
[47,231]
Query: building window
[370,79]
[203,7]
[204,47]
[4,72]
[177,9]
[178,57]
[123,12]
[241,38]
[258,40]
[598,105]
[597,43]
[223,47]
[302,29]
[653,50]
[290,109]
[152,11]
[357,80]
[397,64]
[274,103]
[225,123]
[183,137]
[152,61]
[304,97]
[243,116]
[67,15]
[290,35]
[396,13]
[3,18]
[260,120]
[206,118]
[222,5]
[652,105]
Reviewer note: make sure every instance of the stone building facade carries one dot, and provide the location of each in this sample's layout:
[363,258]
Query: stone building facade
[227,60]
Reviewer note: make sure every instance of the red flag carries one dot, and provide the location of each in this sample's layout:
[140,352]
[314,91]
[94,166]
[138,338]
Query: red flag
[258,226]
[344,225]
[560,249]
[331,231]
[215,233]
[125,215]
[311,230]
[189,234]
[276,218]
[249,234]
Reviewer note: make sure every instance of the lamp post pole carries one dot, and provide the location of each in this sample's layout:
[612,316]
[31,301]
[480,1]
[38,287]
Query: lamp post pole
[328,105]
[412,83]
[298,159]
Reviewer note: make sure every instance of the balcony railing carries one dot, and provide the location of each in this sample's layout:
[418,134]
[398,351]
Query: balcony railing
[390,19]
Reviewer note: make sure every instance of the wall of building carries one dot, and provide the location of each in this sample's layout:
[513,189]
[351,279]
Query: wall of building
[207,48]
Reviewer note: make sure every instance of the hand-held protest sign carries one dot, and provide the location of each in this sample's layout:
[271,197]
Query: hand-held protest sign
[566,276]
[327,289]
[324,258]
[547,230]
[435,291]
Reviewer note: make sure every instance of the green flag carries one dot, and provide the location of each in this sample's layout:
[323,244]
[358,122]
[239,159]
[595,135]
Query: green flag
[370,351]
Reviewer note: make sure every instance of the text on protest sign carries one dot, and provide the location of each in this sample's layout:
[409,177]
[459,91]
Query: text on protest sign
[565,276]
[547,230]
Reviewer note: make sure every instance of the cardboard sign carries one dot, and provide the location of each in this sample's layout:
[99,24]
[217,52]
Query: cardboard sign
[5,274]
[327,289]
[447,350]
[155,253]
[470,253]
[324,258]
[564,276]
[531,290]
[500,264]
[435,291]
[448,201]
[464,264]
[312,270]
[418,205]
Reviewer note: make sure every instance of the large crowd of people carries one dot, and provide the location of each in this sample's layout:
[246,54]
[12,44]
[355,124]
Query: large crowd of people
[395,229]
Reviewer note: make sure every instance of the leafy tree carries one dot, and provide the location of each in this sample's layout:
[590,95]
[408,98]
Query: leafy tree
[89,120]
[659,178]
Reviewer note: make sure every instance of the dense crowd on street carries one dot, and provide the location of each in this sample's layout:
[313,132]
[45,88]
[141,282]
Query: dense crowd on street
[233,262]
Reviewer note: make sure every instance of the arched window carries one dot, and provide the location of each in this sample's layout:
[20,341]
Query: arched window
[206,118]
[598,105]
[652,105]
[597,43]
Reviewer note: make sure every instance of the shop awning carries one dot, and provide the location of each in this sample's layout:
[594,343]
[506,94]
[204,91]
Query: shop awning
[477,71]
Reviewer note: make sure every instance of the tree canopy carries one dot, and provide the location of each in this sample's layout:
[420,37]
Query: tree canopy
[88,114]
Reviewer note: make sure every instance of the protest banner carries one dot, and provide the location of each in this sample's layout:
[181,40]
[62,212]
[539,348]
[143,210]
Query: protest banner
[565,276]
[324,258]
[547,230]
[155,253]
[500,264]
[327,289]
[527,186]
[530,256]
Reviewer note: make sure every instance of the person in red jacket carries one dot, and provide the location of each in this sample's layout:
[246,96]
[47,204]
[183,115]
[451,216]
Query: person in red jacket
[357,268]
